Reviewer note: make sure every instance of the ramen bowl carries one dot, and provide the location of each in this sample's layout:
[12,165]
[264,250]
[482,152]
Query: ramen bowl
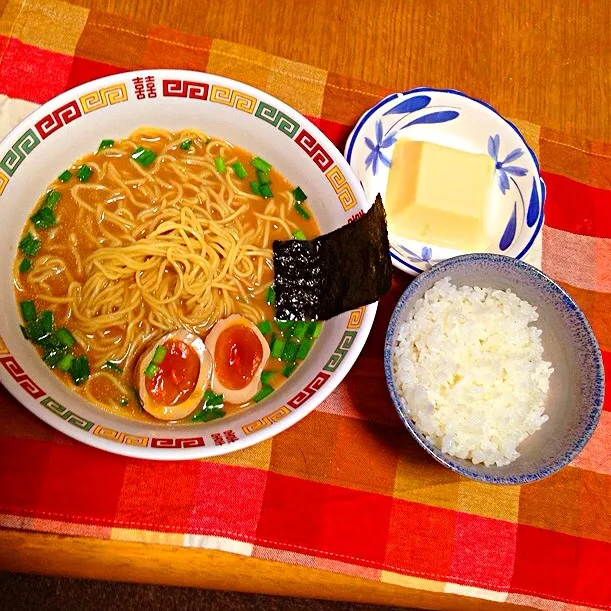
[73,124]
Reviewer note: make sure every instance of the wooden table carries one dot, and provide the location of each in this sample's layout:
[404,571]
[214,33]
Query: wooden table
[548,62]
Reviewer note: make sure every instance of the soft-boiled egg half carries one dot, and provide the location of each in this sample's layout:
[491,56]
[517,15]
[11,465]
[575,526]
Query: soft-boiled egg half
[172,376]
[239,352]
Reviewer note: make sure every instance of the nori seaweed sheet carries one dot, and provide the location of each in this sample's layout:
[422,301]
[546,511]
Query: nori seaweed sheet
[336,272]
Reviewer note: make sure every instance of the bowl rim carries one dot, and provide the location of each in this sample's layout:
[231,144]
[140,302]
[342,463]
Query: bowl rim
[295,415]
[398,261]
[540,277]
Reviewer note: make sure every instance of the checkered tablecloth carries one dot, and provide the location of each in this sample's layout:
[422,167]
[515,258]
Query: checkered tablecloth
[346,489]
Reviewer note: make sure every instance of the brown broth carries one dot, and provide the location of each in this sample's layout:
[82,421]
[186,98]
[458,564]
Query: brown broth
[75,232]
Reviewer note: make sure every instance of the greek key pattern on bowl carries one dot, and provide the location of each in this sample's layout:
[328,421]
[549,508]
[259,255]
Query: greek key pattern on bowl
[233,98]
[314,150]
[185,89]
[273,116]
[58,118]
[340,185]
[119,437]
[257,425]
[65,414]
[23,146]
[103,97]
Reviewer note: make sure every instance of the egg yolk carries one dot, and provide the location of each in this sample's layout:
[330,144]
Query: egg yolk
[177,375]
[237,355]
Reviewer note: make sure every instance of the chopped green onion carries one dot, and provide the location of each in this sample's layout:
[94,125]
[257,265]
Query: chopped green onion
[290,352]
[277,348]
[151,370]
[266,191]
[24,331]
[300,330]
[304,348]
[105,144]
[112,366]
[265,327]
[144,156]
[83,173]
[266,376]
[43,219]
[65,176]
[261,164]
[79,370]
[255,188]
[123,401]
[65,362]
[65,337]
[25,265]
[159,355]
[271,295]
[302,212]
[299,235]
[264,392]
[51,199]
[185,144]
[29,245]
[46,320]
[264,178]
[314,329]
[212,399]
[288,369]
[299,195]
[208,414]
[219,163]
[37,334]
[239,169]
[53,356]
[28,311]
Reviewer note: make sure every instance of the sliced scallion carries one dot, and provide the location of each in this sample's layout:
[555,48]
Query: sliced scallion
[29,245]
[25,266]
[219,164]
[301,211]
[271,295]
[277,348]
[51,199]
[65,337]
[105,144]
[144,156]
[300,330]
[43,219]
[65,362]
[150,370]
[288,369]
[255,188]
[266,191]
[112,367]
[304,348]
[314,329]
[264,392]
[289,354]
[28,311]
[264,178]
[265,327]
[65,176]
[46,320]
[123,401]
[185,144]
[212,399]
[159,355]
[207,414]
[266,376]
[299,235]
[261,164]
[299,195]
[239,169]
[79,370]
[84,173]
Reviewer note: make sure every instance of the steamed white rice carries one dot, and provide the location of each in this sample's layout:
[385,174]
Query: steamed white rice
[470,368]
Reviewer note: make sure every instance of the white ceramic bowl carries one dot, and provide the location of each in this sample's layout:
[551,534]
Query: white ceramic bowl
[73,124]
[453,119]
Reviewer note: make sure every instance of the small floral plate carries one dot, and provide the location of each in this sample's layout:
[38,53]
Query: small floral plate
[453,119]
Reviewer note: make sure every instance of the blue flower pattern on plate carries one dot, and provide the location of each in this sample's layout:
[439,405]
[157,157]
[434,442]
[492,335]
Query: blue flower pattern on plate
[494,145]
[382,142]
